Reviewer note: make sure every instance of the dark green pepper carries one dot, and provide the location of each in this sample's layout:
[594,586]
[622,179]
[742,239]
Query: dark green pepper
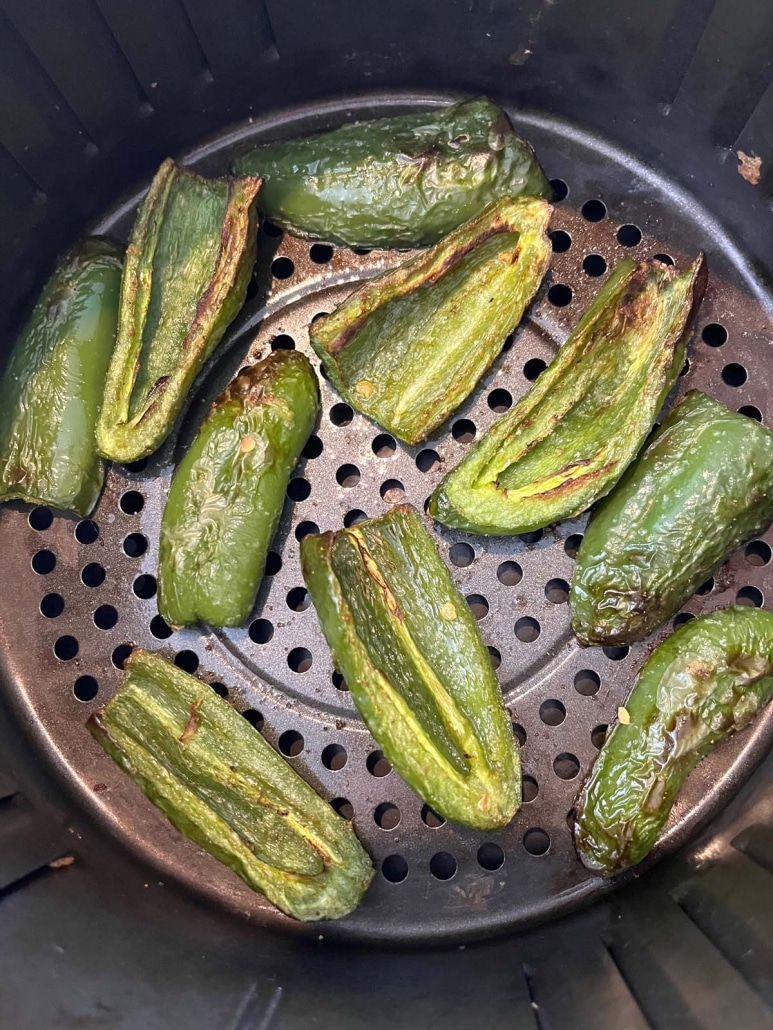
[702,487]
[698,687]
[420,675]
[568,441]
[52,389]
[227,494]
[410,345]
[404,181]
[185,278]
[222,785]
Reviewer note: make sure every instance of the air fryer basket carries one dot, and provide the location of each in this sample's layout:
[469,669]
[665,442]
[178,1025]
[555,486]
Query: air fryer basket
[77,595]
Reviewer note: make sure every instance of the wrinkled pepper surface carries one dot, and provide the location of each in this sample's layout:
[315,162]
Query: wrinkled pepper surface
[410,345]
[420,675]
[52,388]
[227,494]
[701,685]
[701,488]
[403,181]
[185,277]
[222,785]
[568,441]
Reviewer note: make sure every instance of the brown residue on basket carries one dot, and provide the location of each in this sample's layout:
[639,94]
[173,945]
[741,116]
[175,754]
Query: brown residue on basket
[749,167]
[61,863]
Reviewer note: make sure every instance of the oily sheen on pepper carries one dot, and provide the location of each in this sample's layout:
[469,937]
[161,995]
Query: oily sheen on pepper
[401,181]
[698,687]
[227,493]
[702,487]
[52,389]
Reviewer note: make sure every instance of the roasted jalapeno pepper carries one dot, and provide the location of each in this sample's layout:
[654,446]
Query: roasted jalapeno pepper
[409,346]
[227,494]
[418,671]
[395,182]
[702,487]
[568,441]
[52,389]
[701,685]
[185,277]
[221,784]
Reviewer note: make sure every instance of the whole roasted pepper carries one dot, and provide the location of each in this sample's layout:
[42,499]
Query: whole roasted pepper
[568,441]
[227,494]
[52,389]
[409,346]
[185,277]
[702,487]
[418,671]
[701,685]
[222,785]
[395,182]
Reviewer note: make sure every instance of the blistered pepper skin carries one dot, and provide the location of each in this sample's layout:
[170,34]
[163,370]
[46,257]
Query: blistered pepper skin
[409,346]
[702,487]
[227,494]
[699,686]
[52,389]
[395,182]
[222,785]
[410,651]
[186,273]
[567,442]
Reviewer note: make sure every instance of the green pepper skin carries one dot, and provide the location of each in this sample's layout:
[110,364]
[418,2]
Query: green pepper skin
[418,671]
[568,441]
[701,685]
[395,182]
[52,389]
[703,486]
[185,278]
[222,785]
[227,494]
[410,345]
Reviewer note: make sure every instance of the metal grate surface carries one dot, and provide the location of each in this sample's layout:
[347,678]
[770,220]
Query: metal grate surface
[78,595]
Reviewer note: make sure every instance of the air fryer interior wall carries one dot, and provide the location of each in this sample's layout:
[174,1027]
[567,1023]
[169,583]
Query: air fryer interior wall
[95,95]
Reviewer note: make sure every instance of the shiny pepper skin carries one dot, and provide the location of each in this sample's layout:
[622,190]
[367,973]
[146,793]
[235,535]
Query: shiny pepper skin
[698,687]
[402,181]
[701,488]
[228,491]
[52,389]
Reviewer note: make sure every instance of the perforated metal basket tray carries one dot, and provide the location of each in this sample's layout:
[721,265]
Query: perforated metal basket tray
[78,595]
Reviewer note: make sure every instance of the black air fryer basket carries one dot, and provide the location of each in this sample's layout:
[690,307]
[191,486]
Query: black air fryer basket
[655,124]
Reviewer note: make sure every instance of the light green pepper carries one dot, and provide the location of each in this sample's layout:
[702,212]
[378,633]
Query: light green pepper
[221,784]
[568,441]
[410,651]
[410,345]
[185,278]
